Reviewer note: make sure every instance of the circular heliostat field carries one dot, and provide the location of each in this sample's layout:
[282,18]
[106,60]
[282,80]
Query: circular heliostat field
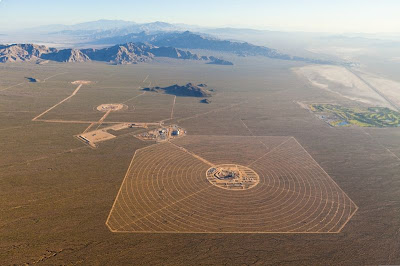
[111,107]
[228,184]
[232,177]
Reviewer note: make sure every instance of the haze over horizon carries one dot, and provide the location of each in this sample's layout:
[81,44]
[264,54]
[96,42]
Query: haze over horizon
[355,16]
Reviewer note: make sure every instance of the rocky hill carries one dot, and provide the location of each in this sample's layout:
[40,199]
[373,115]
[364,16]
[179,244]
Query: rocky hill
[66,55]
[23,52]
[207,101]
[33,80]
[218,61]
[176,53]
[188,90]
[128,53]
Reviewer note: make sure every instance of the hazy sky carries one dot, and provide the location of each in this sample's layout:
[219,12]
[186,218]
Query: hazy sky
[373,16]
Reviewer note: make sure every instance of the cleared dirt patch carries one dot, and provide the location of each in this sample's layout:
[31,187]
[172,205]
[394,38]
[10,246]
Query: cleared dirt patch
[232,176]
[83,82]
[111,107]
[93,137]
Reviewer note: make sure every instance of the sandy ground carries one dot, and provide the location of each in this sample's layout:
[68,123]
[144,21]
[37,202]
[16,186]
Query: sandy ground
[54,106]
[83,82]
[389,88]
[341,81]
[346,53]
[57,193]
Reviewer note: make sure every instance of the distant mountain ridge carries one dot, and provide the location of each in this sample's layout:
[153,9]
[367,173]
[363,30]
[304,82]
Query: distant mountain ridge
[112,32]
[128,53]
[109,28]
[162,34]
[190,40]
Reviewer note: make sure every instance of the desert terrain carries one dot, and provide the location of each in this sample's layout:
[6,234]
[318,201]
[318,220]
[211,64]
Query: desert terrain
[317,194]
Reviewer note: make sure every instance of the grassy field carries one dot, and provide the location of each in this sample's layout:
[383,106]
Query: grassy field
[337,115]
[56,192]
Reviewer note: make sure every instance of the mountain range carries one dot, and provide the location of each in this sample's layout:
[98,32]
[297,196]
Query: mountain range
[128,53]
[301,46]
[115,32]
[105,25]
[191,40]
[107,28]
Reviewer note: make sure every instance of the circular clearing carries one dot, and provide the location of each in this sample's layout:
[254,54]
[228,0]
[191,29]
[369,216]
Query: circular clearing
[232,177]
[111,107]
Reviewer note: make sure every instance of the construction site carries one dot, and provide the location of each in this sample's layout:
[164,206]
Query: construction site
[162,134]
[232,176]
[92,138]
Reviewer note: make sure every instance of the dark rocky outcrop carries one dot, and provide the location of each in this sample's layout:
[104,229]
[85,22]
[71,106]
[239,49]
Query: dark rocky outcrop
[218,61]
[189,90]
[33,80]
[207,101]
